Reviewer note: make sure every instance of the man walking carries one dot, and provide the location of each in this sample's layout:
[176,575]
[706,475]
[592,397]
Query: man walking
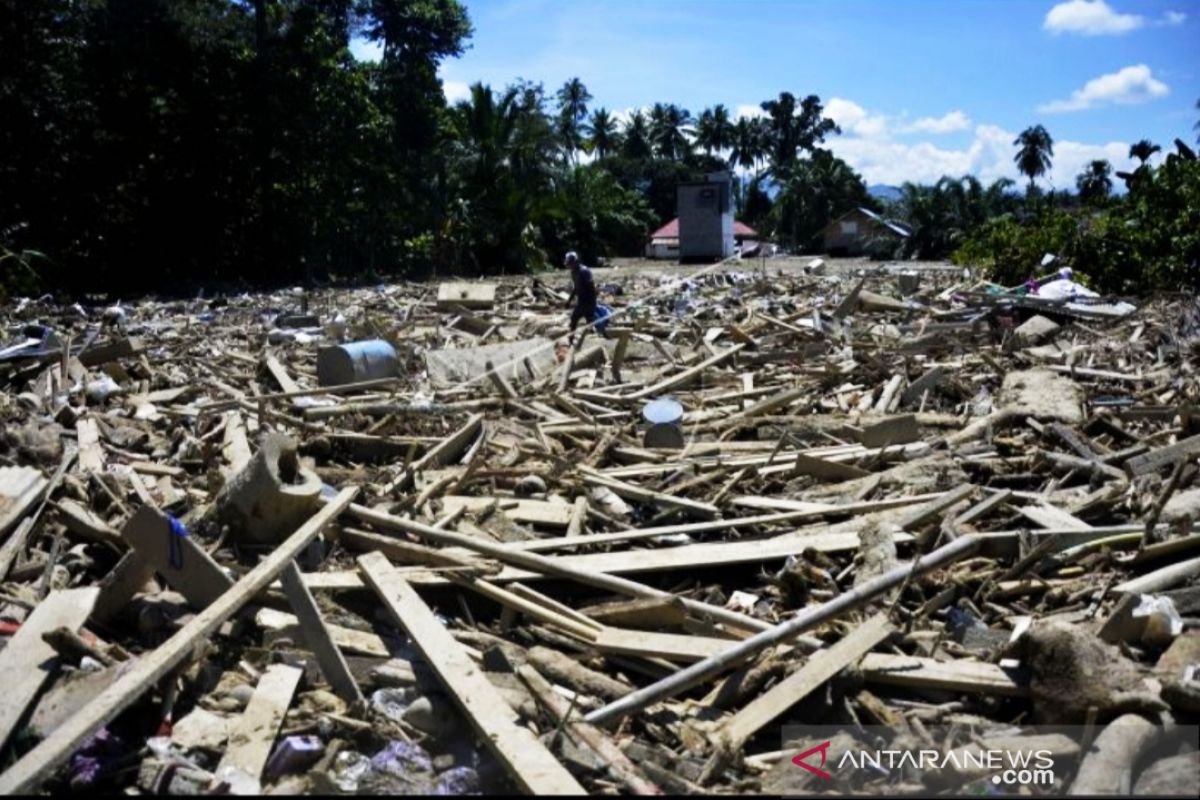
[583,292]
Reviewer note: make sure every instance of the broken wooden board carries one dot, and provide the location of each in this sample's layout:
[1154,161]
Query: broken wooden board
[253,735]
[533,512]
[474,296]
[1048,516]
[1163,457]
[972,677]
[318,635]
[676,647]
[182,563]
[901,429]
[826,470]
[523,756]
[105,352]
[451,367]
[819,668]
[20,489]
[27,661]
[41,761]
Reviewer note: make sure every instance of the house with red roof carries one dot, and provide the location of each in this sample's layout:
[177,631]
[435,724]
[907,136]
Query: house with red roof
[664,242]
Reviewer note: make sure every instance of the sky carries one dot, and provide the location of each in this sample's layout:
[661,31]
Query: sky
[920,88]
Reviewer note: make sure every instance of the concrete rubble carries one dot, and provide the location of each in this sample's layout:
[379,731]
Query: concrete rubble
[238,555]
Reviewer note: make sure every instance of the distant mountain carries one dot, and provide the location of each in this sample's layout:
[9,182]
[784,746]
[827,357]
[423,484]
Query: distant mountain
[882,191]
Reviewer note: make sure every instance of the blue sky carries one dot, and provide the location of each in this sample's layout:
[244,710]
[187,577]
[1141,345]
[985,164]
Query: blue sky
[921,88]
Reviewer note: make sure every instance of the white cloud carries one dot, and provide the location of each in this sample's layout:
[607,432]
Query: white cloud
[1174,18]
[853,119]
[1090,18]
[1126,86]
[455,91]
[949,122]
[988,156]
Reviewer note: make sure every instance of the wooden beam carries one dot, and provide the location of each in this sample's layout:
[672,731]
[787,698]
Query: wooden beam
[280,374]
[184,565]
[355,642]
[27,662]
[974,677]
[41,761]
[254,733]
[1163,457]
[686,375]
[317,635]
[91,456]
[522,754]
[820,667]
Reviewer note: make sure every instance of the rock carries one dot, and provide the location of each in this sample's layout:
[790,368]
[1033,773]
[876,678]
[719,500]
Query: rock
[200,730]
[1072,670]
[530,485]
[1035,329]
[1182,509]
[434,717]
[1176,776]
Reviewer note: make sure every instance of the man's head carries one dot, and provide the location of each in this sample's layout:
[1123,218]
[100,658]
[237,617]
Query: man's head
[571,260]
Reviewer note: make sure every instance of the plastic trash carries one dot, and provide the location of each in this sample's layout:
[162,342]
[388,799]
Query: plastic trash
[391,703]
[102,388]
[603,315]
[294,754]
[1162,620]
[349,768]
[399,768]
[458,780]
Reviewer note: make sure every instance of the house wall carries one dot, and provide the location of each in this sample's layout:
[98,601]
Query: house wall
[850,234]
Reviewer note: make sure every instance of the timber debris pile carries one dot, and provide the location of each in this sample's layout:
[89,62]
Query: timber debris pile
[405,539]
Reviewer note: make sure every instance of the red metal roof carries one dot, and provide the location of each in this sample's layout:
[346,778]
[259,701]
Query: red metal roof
[671,230]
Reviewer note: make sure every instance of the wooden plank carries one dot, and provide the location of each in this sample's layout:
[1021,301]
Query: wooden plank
[687,374]
[355,642]
[1048,516]
[40,762]
[902,429]
[27,662]
[254,733]
[636,493]
[1163,457]
[182,563]
[820,667]
[91,456]
[534,512]
[467,295]
[280,374]
[235,448]
[521,753]
[105,352]
[650,644]
[318,635]
[826,470]
[20,489]
[83,523]
[912,672]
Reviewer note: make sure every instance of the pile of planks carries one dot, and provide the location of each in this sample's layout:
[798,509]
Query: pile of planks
[491,572]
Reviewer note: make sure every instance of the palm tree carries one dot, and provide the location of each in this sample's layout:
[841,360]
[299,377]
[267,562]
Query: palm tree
[714,130]
[1196,127]
[573,98]
[747,143]
[791,128]
[1095,183]
[669,131]
[1036,149]
[602,133]
[635,138]
[1143,150]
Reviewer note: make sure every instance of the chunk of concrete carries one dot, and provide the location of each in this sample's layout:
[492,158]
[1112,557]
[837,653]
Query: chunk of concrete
[1036,329]
[271,496]
[1043,395]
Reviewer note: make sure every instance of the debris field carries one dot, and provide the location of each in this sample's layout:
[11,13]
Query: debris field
[407,539]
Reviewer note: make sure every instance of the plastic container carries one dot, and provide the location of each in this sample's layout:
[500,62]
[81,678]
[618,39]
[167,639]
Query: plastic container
[356,361]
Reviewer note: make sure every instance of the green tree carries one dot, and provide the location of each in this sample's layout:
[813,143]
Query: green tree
[602,132]
[1035,149]
[1142,150]
[714,130]
[748,145]
[573,98]
[792,129]
[812,192]
[635,138]
[670,131]
[1094,183]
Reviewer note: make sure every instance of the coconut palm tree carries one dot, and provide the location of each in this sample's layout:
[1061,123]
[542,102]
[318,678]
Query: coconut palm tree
[1095,182]
[1142,150]
[635,138]
[747,143]
[714,130]
[573,98]
[669,131]
[602,133]
[1036,150]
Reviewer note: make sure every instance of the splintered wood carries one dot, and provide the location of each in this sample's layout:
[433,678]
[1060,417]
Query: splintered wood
[812,493]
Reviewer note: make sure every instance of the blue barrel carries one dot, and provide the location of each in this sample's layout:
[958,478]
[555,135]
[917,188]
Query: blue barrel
[356,361]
